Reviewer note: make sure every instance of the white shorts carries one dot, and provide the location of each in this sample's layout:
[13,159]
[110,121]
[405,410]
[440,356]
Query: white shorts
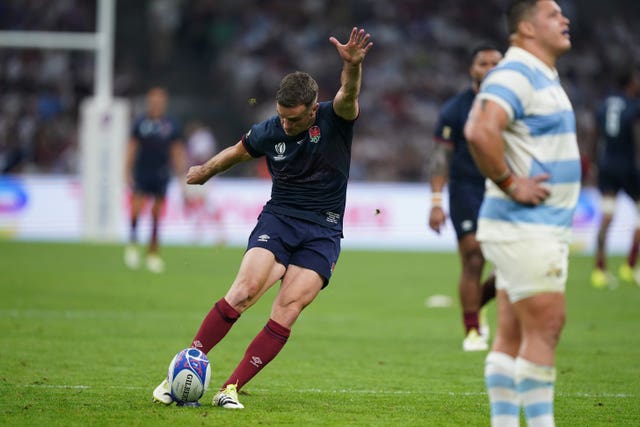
[528,267]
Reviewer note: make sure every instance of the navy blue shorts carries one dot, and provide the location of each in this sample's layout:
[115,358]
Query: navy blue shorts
[464,205]
[297,242]
[150,185]
[614,179]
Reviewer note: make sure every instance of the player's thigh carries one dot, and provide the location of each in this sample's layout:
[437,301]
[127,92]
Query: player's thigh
[299,288]
[528,267]
[258,271]
[508,336]
[543,313]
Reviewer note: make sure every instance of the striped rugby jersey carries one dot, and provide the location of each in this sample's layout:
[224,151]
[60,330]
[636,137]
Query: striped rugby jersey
[541,137]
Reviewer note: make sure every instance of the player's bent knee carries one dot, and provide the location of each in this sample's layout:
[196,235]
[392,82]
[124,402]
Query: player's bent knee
[244,293]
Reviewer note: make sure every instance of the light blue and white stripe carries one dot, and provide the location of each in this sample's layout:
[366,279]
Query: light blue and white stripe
[540,138]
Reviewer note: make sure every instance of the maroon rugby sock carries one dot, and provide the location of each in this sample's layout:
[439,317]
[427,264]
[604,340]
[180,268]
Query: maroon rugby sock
[471,321]
[215,326]
[262,350]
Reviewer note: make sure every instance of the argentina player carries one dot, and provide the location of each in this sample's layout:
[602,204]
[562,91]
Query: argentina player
[522,135]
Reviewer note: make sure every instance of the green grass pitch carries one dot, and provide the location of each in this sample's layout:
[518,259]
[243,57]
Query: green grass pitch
[84,341]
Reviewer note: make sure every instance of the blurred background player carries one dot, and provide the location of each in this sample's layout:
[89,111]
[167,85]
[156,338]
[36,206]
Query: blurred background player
[452,161]
[201,146]
[618,143]
[298,236]
[522,134]
[155,149]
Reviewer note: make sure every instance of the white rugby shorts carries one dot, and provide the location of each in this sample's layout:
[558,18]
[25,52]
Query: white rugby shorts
[528,267]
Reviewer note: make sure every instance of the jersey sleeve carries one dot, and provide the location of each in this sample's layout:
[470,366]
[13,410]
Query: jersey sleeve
[251,140]
[510,86]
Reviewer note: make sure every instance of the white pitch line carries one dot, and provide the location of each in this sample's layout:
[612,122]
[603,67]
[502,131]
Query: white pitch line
[339,391]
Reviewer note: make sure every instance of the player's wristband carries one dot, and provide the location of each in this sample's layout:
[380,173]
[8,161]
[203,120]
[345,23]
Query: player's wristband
[506,182]
[436,200]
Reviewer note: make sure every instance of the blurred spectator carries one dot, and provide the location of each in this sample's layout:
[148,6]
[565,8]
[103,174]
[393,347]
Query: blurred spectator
[214,55]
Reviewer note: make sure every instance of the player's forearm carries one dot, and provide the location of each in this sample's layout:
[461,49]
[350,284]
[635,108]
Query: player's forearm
[439,165]
[437,183]
[351,80]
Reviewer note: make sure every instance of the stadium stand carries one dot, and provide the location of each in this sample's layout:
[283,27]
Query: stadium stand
[216,55]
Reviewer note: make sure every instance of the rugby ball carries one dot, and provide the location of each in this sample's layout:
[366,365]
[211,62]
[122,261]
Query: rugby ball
[188,375]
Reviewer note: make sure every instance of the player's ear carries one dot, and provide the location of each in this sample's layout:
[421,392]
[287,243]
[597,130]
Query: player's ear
[526,28]
[315,107]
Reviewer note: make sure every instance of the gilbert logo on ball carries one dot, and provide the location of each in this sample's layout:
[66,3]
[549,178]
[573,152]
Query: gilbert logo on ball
[188,375]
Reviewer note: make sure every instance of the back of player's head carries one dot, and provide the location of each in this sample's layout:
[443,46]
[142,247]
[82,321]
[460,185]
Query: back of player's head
[518,11]
[297,88]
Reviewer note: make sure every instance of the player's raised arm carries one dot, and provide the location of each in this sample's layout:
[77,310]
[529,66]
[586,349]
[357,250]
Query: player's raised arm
[345,104]
[219,163]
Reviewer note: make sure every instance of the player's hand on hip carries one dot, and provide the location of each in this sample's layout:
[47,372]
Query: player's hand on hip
[437,218]
[197,175]
[531,191]
[354,50]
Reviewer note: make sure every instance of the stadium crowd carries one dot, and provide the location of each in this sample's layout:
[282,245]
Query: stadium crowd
[217,57]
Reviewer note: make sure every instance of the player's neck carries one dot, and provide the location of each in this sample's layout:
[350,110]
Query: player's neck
[544,55]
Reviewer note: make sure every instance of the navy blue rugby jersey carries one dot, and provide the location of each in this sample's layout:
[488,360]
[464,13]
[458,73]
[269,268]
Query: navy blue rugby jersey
[309,171]
[450,130]
[155,137]
[616,117]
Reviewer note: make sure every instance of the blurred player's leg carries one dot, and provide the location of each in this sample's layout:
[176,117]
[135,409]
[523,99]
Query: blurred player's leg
[600,276]
[630,271]
[155,264]
[131,251]
[470,292]
[487,293]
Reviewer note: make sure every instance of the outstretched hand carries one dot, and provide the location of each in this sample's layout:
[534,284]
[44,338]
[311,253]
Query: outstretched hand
[354,50]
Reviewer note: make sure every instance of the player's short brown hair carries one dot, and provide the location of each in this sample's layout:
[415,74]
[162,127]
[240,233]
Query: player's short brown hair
[297,88]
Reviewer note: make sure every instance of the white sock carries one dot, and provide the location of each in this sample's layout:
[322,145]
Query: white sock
[535,390]
[499,375]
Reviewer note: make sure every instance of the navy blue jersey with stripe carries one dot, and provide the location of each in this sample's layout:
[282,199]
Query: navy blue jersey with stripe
[309,171]
[616,117]
[155,137]
[450,130]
